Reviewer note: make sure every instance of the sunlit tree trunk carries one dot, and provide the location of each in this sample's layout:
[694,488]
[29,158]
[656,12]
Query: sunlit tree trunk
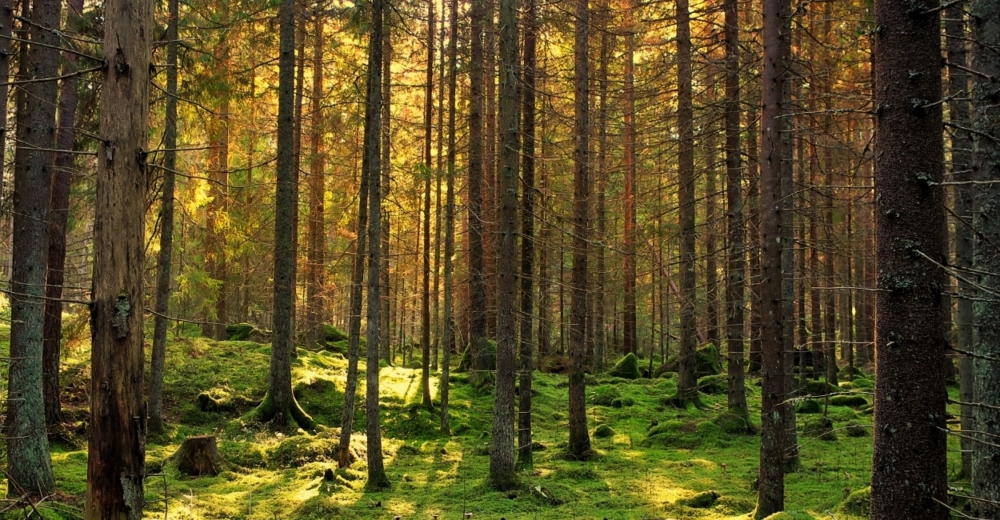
[425,303]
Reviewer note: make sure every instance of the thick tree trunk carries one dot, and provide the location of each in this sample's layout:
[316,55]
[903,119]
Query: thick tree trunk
[199,456]
[771,479]
[579,438]
[687,380]
[477,289]
[985,18]
[58,217]
[163,259]
[909,463]
[29,465]
[116,450]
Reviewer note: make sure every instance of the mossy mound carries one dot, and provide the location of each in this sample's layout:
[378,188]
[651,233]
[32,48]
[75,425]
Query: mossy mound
[849,372]
[856,429]
[713,385]
[702,500]
[851,400]
[821,388]
[790,515]
[554,364]
[627,367]
[332,334]
[302,449]
[605,395]
[864,383]
[858,503]
[733,423]
[707,362]
[491,358]
[622,403]
[820,428]
[246,332]
[603,431]
[809,406]
[222,400]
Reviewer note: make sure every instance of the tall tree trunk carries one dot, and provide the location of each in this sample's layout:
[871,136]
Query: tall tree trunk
[477,289]
[909,463]
[711,237]
[502,474]
[58,217]
[526,365]
[754,203]
[425,304]
[29,464]
[163,259]
[985,18]
[300,81]
[7,13]
[315,271]
[602,182]
[687,380]
[218,207]
[449,218]
[579,438]
[279,404]
[964,197]
[771,479]
[371,167]
[385,134]
[629,160]
[735,279]
[116,450]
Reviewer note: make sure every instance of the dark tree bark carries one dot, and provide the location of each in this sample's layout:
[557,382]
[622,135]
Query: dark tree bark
[163,259]
[279,404]
[116,450]
[371,167]
[909,464]
[58,217]
[316,270]
[477,288]
[579,438]
[526,365]
[602,182]
[771,479]
[29,464]
[425,304]
[711,238]
[449,219]
[985,24]
[218,207]
[735,280]
[502,476]
[629,158]
[385,152]
[7,8]
[687,380]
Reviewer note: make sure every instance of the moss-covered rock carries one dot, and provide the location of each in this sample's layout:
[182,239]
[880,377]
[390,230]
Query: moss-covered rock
[857,503]
[809,406]
[627,367]
[707,362]
[622,402]
[713,385]
[702,500]
[603,431]
[856,429]
[605,395]
[820,388]
[820,428]
[733,423]
[851,400]
[491,358]
[332,334]
[246,332]
[554,364]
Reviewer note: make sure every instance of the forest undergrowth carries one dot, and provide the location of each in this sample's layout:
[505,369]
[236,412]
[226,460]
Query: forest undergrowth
[652,461]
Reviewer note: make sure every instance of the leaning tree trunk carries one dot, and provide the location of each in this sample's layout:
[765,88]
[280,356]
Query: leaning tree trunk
[986,90]
[116,451]
[909,463]
[29,465]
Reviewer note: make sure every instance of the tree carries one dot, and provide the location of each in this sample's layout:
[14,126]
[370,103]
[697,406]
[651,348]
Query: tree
[279,404]
[771,479]
[163,259]
[477,288]
[985,22]
[29,464]
[316,271]
[579,438]
[910,393]
[425,308]
[116,449]
[629,158]
[449,219]
[372,168]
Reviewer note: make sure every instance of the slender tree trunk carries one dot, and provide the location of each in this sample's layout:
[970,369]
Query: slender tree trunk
[29,465]
[579,438]
[163,259]
[629,159]
[372,168]
[602,181]
[425,304]
[985,22]
[58,217]
[477,289]
[7,12]
[687,379]
[771,479]
[449,219]
[116,450]
[218,207]
[315,272]
[388,307]
[735,280]
[526,365]
[753,196]
[711,266]
[909,463]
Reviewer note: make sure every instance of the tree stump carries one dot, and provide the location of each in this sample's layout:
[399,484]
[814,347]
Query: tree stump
[199,456]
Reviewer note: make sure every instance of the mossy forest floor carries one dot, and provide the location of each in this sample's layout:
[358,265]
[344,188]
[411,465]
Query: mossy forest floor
[270,474]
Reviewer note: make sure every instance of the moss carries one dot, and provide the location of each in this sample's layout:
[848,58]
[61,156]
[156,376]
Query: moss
[707,362]
[733,423]
[299,450]
[820,428]
[605,395]
[332,334]
[713,385]
[851,400]
[858,503]
[465,364]
[790,515]
[856,429]
[820,388]
[702,500]
[809,406]
[627,367]
[603,431]
[864,383]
